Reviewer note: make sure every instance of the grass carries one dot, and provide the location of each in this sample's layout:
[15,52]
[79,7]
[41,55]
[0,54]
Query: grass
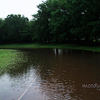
[62,46]
[8,58]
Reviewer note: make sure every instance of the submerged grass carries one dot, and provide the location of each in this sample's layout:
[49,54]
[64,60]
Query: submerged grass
[62,46]
[8,58]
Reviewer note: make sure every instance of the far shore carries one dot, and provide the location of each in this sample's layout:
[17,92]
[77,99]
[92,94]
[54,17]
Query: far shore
[60,46]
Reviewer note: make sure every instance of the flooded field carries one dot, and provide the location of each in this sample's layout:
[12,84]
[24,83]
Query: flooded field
[65,75]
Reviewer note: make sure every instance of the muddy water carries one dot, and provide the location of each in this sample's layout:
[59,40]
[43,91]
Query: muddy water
[66,75]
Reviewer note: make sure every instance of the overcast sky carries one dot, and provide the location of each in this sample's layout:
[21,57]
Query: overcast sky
[23,7]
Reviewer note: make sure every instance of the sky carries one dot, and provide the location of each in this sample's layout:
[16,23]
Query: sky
[23,7]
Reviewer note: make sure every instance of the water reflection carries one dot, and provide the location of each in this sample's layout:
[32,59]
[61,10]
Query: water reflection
[58,51]
[61,78]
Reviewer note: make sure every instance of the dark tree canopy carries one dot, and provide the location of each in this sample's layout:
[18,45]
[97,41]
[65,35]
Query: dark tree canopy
[14,29]
[57,21]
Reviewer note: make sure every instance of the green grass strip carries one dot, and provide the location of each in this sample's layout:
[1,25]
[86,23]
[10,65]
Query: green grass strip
[8,58]
[61,46]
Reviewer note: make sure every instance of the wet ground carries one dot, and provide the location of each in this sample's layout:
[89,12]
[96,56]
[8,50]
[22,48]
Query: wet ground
[66,75]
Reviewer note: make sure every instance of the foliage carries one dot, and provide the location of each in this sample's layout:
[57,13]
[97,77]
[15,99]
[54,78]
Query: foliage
[14,29]
[57,21]
[67,20]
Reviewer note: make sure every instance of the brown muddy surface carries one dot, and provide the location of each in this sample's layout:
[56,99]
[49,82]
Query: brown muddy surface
[66,75]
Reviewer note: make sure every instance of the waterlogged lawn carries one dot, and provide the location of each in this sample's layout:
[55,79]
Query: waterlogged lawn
[61,46]
[8,58]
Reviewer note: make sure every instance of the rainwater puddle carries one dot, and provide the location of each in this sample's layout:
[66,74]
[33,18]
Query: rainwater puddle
[66,75]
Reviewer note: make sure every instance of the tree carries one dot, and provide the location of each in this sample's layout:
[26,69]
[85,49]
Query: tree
[16,28]
[84,16]
[48,22]
[2,35]
[40,24]
[59,21]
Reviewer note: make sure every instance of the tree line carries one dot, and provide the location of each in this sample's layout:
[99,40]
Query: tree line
[57,21]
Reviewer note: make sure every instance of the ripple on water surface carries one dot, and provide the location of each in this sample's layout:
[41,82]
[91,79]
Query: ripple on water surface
[66,75]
